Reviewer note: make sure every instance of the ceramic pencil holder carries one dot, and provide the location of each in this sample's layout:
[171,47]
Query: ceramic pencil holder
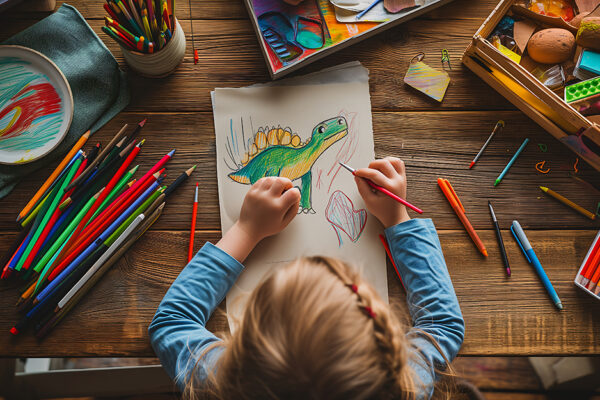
[162,62]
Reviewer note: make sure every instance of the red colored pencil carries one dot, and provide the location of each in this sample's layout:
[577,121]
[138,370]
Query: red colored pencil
[100,226]
[585,271]
[389,254]
[109,187]
[193,229]
[110,12]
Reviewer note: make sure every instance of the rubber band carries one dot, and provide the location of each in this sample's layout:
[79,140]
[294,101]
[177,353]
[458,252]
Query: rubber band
[446,58]
[575,166]
[370,312]
[354,288]
[543,147]
[539,167]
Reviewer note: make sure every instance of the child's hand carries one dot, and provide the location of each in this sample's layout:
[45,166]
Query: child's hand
[390,174]
[269,206]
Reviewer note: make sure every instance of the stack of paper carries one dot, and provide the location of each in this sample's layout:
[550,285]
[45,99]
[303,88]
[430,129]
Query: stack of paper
[301,128]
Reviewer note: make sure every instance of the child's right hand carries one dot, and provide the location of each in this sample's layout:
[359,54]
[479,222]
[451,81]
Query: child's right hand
[390,174]
[269,206]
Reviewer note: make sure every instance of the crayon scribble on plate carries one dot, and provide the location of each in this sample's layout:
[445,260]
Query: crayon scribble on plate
[30,107]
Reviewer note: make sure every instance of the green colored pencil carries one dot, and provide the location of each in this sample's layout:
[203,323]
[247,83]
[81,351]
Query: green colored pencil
[122,182]
[50,210]
[134,215]
[63,236]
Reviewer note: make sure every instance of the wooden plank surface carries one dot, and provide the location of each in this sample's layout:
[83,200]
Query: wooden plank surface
[440,144]
[503,316]
[512,317]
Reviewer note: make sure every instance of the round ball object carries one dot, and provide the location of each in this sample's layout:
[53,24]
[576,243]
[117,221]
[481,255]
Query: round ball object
[588,35]
[576,22]
[551,46]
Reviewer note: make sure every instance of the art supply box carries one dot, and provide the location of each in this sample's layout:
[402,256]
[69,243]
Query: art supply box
[589,254]
[525,91]
[292,36]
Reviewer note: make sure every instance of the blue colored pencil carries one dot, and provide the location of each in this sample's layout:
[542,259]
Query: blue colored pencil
[84,254]
[366,10]
[511,162]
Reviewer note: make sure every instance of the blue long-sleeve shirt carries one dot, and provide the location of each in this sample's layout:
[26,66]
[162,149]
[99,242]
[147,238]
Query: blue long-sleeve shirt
[178,334]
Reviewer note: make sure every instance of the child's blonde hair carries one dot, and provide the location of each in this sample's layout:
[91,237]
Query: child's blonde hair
[313,330]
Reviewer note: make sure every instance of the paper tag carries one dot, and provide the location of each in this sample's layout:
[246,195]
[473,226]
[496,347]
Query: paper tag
[427,80]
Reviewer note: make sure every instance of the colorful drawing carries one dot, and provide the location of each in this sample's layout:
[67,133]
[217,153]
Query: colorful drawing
[342,216]
[30,107]
[426,79]
[279,152]
[293,33]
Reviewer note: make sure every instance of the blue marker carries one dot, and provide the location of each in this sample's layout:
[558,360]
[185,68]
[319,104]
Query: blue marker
[523,242]
[511,162]
[84,254]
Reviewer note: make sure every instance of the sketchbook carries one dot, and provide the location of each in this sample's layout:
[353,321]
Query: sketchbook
[301,129]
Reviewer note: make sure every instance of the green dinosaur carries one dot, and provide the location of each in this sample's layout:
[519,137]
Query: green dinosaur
[277,152]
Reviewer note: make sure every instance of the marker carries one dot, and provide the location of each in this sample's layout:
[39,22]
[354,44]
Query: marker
[511,162]
[384,190]
[524,244]
[500,240]
[498,127]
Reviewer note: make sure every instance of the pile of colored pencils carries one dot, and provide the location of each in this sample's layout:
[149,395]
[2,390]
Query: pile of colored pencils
[588,276]
[84,217]
[140,25]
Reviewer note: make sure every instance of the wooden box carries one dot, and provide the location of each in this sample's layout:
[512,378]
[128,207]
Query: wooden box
[526,92]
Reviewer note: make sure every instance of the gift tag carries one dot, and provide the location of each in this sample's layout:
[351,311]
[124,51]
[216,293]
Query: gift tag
[426,79]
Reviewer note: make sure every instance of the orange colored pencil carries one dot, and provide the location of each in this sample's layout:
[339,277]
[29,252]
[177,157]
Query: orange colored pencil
[193,229]
[459,209]
[78,145]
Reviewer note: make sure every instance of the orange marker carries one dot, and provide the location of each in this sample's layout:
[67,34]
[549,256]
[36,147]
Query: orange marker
[458,208]
[193,230]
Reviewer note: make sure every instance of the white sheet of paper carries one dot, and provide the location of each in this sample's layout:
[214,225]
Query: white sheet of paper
[302,108]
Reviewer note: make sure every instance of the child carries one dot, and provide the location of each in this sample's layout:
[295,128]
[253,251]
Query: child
[313,329]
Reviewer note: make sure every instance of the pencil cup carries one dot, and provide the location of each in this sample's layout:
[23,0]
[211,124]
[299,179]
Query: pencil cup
[160,63]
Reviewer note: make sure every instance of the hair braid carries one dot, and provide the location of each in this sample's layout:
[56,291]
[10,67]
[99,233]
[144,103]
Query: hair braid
[387,332]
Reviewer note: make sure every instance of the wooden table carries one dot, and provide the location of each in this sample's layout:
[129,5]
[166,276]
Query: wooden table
[503,316]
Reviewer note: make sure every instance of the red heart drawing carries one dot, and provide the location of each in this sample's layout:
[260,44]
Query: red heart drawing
[342,216]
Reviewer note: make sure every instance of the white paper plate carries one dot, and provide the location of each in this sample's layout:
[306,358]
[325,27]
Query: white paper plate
[36,105]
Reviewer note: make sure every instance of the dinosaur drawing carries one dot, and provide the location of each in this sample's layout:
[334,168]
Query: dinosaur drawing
[278,152]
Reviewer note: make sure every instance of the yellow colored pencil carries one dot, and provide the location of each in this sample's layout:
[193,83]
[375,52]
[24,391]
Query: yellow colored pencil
[54,174]
[147,30]
[568,202]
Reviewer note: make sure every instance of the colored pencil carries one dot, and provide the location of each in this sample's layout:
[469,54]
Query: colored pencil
[511,162]
[568,202]
[76,147]
[125,180]
[47,215]
[10,253]
[459,209]
[85,250]
[94,268]
[180,179]
[99,158]
[100,224]
[498,127]
[500,240]
[40,203]
[389,254]
[592,259]
[384,190]
[193,228]
[366,10]
[90,283]
[110,185]
[110,11]
[527,249]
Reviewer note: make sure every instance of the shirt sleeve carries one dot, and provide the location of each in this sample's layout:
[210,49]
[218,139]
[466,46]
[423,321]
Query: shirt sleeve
[432,303]
[177,331]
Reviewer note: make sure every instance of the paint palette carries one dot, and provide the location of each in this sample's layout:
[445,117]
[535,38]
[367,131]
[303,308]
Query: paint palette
[36,105]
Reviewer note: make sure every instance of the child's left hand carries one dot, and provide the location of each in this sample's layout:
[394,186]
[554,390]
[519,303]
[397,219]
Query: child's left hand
[269,206]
